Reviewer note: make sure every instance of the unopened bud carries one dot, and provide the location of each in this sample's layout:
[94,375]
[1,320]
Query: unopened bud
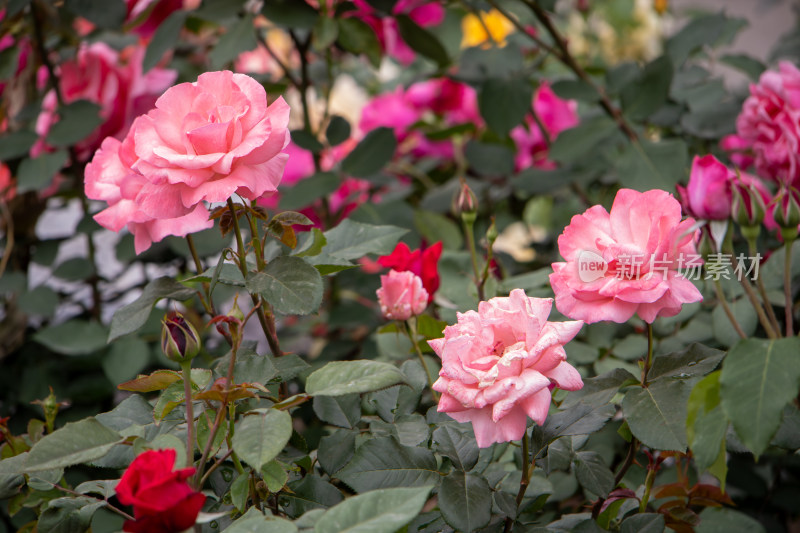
[748,206]
[491,233]
[787,212]
[179,340]
[466,205]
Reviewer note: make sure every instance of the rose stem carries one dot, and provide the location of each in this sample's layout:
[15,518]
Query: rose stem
[207,302]
[526,477]
[649,357]
[762,290]
[762,317]
[727,309]
[186,368]
[787,286]
[470,236]
[410,330]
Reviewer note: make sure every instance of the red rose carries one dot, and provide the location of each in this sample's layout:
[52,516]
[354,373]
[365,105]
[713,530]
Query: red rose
[162,500]
[424,263]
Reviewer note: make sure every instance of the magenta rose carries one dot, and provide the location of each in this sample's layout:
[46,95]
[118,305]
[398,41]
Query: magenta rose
[556,115]
[162,500]
[500,363]
[770,122]
[401,295]
[708,194]
[626,261]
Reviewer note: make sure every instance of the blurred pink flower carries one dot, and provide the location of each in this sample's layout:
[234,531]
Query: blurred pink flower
[556,116]
[500,363]
[401,295]
[154,12]
[770,122]
[111,79]
[626,262]
[740,150]
[7,187]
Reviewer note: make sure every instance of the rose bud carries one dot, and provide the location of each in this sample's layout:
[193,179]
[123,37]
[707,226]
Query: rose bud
[749,207]
[179,340]
[401,295]
[708,194]
[465,205]
[787,212]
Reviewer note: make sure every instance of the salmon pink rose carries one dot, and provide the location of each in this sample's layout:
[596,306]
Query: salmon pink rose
[626,261]
[162,500]
[500,363]
[401,295]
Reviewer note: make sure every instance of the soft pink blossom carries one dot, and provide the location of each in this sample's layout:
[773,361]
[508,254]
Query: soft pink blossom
[770,121]
[625,262]
[500,363]
[401,295]
[556,115]
[708,194]
[739,150]
[111,79]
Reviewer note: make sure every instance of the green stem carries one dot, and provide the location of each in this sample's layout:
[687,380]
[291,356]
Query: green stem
[649,358]
[410,330]
[762,290]
[725,307]
[527,470]
[648,486]
[186,369]
[787,287]
[762,316]
[469,233]
[207,302]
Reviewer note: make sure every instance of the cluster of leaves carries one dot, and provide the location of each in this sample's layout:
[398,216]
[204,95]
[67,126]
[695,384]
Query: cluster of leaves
[337,429]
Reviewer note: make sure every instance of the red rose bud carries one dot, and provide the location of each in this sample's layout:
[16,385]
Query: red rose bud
[787,212]
[465,205]
[179,340]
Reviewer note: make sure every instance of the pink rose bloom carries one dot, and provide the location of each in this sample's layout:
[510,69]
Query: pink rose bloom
[740,150]
[456,102]
[401,295]
[770,120]
[500,363]
[556,115]
[390,110]
[110,178]
[112,79]
[708,195]
[208,140]
[625,262]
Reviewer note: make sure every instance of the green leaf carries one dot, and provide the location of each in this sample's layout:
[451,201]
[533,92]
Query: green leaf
[274,475]
[695,361]
[435,227]
[503,103]
[251,367]
[11,478]
[164,38]
[723,520]
[749,65]
[254,521]
[643,523]
[313,244]
[703,30]
[134,315]
[324,34]
[458,444]
[343,411]
[109,14]
[346,377]
[353,240]
[371,154]
[580,419]
[574,143]
[290,13]
[126,359]
[357,37]
[713,122]
[311,492]
[305,192]
[75,443]
[657,414]
[489,159]
[76,121]
[37,173]
[758,379]
[465,501]
[592,473]
[16,144]
[421,40]
[306,141]
[575,89]
[336,449]
[239,38]
[289,284]
[645,165]
[260,437]
[599,390]
[169,399]
[378,511]
[338,130]
[73,337]
[649,92]
[68,515]
[383,462]
[240,490]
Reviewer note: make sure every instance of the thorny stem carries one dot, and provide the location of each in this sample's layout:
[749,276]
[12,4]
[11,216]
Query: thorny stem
[725,307]
[787,287]
[186,369]
[410,329]
[762,317]
[527,470]
[565,57]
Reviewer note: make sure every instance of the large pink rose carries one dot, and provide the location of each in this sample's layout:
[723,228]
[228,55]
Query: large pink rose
[500,363]
[626,261]
[770,121]
[112,79]
[556,116]
[401,295]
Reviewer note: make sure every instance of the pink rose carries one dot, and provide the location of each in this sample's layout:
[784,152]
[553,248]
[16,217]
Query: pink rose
[401,295]
[556,116]
[626,261]
[204,142]
[112,79]
[500,363]
[770,121]
[740,150]
[7,187]
[708,194]
[390,110]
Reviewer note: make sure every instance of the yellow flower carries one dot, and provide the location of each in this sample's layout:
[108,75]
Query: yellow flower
[474,29]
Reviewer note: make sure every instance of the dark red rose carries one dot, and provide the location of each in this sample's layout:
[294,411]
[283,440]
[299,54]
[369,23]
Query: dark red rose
[424,263]
[162,500]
